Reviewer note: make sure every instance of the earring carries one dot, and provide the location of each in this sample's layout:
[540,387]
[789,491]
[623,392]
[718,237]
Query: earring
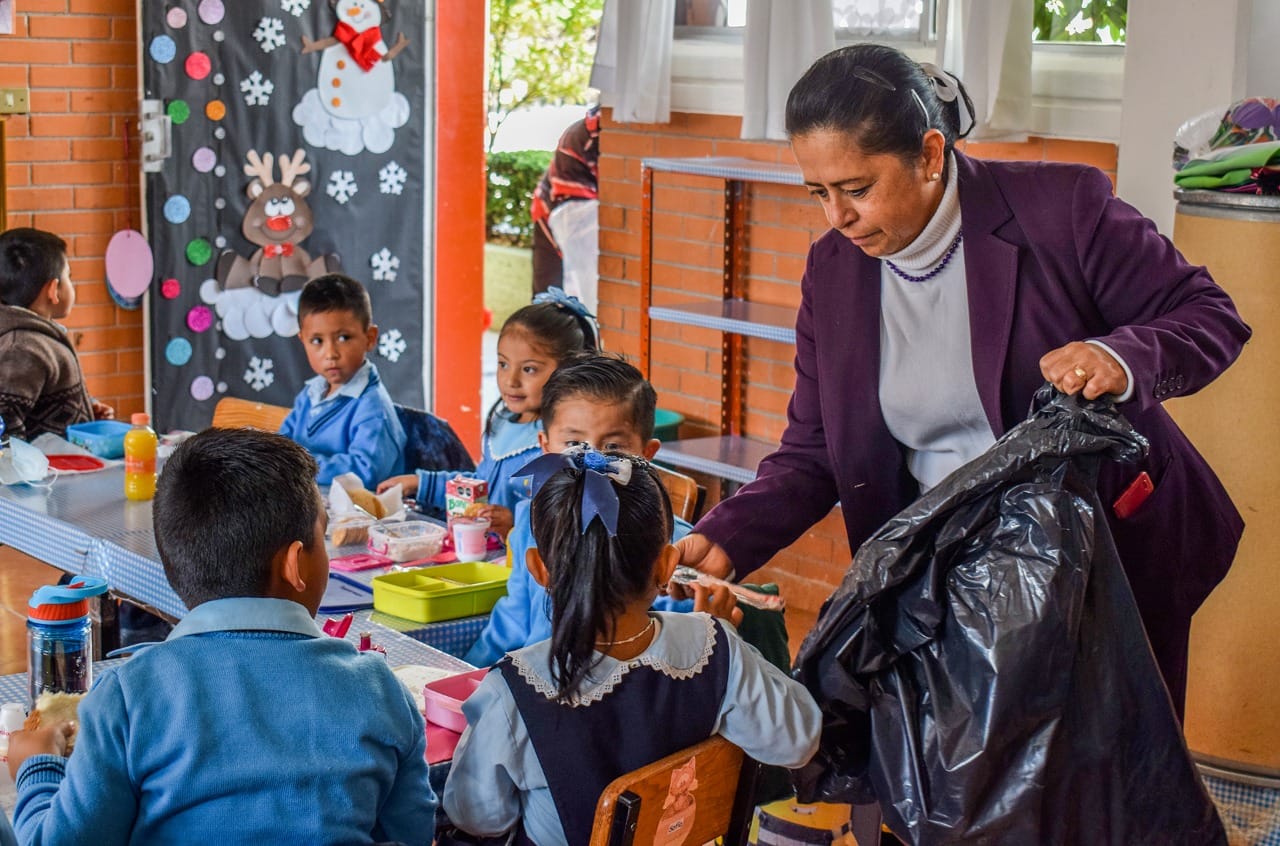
[934,177]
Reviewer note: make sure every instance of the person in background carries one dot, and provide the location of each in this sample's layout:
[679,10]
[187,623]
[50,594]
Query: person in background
[569,190]
[41,384]
[947,291]
[343,415]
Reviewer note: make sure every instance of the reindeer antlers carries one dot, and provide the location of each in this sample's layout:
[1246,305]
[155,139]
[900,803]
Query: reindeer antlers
[291,167]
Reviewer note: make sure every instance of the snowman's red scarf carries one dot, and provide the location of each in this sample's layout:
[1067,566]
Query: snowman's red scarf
[363,46]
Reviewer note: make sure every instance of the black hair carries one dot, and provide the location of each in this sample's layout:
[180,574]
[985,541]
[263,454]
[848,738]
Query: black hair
[29,260]
[877,94]
[607,378]
[335,292]
[227,501]
[594,576]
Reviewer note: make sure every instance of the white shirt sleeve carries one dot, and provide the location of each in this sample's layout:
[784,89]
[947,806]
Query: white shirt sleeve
[1128,374]
[480,795]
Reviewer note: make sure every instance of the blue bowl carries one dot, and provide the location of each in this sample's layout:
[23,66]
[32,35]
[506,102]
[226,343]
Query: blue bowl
[103,438]
[666,424]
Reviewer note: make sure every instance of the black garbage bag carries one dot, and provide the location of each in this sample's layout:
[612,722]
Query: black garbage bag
[983,671]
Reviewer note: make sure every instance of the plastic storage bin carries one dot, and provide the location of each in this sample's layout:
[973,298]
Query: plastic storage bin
[103,438]
[406,541]
[444,698]
[444,592]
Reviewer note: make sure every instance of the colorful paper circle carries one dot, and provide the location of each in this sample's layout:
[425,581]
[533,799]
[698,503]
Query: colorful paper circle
[177,209]
[170,289]
[219,171]
[129,264]
[179,111]
[177,18]
[201,388]
[163,49]
[222,387]
[199,319]
[178,352]
[211,11]
[198,65]
[204,159]
[215,110]
[199,251]
[218,79]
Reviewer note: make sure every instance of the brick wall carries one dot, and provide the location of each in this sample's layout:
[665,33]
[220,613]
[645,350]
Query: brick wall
[72,165]
[687,255]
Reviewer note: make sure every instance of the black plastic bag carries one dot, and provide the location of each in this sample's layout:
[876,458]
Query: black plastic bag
[983,671]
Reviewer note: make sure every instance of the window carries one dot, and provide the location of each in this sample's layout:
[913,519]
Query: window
[1080,21]
[896,20]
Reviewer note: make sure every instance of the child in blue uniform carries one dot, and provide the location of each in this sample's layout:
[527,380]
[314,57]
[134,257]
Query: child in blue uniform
[534,341]
[248,724]
[597,400]
[343,415]
[618,685]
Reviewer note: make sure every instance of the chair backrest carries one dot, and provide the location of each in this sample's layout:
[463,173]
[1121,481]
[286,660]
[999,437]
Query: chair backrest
[431,443]
[692,796]
[686,494]
[232,413]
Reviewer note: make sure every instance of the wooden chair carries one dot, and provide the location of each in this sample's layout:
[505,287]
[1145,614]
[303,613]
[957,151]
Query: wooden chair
[638,808]
[232,413]
[686,494]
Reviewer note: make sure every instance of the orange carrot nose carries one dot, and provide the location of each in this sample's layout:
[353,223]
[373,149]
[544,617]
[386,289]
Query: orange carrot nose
[353,12]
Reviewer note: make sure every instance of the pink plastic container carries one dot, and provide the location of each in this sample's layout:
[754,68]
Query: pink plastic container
[444,698]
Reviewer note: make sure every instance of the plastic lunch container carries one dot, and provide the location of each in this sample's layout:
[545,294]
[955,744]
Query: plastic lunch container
[444,698]
[406,541]
[103,438]
[443,592]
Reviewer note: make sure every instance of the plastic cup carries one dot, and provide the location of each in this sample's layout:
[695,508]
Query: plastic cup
[469,537]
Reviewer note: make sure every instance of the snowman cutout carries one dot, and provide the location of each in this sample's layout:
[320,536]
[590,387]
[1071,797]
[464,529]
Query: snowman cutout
[355,105]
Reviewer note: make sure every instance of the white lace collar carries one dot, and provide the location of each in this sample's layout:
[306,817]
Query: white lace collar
[680,650]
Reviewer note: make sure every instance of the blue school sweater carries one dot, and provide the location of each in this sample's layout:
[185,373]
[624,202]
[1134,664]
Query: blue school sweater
[506,447]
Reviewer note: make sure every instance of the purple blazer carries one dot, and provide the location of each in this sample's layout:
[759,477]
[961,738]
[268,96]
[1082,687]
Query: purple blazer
[1051,256]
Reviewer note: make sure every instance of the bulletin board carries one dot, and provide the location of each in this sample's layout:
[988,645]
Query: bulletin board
[298,145]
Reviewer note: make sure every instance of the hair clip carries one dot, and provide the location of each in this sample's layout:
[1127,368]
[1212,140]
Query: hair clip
[947,88]
[868,75]
[557,296]
[599,472]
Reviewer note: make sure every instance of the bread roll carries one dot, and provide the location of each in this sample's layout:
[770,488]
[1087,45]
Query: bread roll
[54,708]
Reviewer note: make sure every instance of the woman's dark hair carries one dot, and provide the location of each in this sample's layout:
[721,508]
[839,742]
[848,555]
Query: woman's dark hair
[593,576]
[866,90]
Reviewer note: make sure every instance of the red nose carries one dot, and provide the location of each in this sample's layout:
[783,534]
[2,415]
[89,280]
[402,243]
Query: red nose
[279,223]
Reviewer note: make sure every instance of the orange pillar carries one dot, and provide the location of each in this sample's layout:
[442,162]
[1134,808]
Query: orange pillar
[459,215]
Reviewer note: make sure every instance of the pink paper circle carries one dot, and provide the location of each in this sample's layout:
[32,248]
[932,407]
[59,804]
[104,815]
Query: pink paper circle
[201,388]
[204,159]
[177,18]
[198,65]
[199,319]
[170,289]
[129,263]
[211,11]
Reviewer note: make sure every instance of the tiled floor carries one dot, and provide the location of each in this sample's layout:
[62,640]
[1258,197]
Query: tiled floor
[20,575]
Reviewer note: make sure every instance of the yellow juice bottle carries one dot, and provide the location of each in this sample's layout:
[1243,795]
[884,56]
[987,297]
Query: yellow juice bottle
[140,459]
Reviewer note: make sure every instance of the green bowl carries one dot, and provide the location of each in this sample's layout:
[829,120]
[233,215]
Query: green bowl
[666,424]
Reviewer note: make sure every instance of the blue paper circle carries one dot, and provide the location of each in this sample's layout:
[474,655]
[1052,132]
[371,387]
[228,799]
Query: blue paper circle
[163,49]
[178,352]
[177,209]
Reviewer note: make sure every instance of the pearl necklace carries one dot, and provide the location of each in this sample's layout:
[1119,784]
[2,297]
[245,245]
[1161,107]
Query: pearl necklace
[955,245]
[631,639]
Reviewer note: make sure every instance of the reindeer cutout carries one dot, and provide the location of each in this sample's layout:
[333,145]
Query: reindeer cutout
[278,220]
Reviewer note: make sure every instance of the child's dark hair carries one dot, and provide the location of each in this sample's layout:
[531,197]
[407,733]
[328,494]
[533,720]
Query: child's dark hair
[29,260]
[594,576]
[605,378]
[227,501]
[877,94]
[335,292]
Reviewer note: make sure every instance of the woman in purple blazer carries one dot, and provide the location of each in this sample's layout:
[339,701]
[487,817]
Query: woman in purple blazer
[946,292]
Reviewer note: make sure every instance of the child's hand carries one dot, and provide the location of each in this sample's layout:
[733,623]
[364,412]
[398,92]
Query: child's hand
[500,519]
[102,411]
[409,482]
[718,601]
[46,740]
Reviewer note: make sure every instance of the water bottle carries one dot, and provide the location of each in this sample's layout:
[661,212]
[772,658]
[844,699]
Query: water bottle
[60,637]
[140,459]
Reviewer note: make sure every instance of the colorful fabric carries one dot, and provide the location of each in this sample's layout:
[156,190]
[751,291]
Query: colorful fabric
[572,174]
[366,48]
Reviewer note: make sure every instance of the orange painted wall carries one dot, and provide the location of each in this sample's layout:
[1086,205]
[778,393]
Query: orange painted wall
[687,234]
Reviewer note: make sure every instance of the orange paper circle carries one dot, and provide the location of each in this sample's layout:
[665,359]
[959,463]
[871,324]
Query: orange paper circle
[215,110]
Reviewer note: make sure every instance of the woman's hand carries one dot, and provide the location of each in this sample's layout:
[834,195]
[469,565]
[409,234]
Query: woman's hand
[409,482]
[1084,367]
[718,601]
[46,740]
[700,553]
[500,519]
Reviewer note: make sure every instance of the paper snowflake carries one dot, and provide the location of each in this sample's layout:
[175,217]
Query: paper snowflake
[269,34]
[295,7]
[257,90]
[259,374]
[384,265]
[342,186]
[391,178]
[391,344]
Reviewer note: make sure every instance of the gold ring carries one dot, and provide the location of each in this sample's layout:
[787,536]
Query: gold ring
[1079,371]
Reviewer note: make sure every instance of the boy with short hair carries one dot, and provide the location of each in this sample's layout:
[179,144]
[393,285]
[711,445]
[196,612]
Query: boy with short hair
[41,385]
[248,725]
[595,399]
[343,415]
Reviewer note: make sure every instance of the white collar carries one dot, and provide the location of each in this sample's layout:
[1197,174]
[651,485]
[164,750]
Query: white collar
[939,233]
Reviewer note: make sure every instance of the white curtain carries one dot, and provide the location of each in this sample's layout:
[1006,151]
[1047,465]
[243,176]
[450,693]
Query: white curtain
[987,43]
[783,37]
[633,59]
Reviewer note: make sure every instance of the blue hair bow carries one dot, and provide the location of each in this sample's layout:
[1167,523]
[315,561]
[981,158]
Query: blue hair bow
[557,296]
[599,472]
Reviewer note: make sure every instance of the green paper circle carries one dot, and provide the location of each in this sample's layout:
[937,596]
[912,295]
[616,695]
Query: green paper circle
[199,251]
[179,111]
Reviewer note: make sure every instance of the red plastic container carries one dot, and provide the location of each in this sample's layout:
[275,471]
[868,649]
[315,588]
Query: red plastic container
[444,698]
